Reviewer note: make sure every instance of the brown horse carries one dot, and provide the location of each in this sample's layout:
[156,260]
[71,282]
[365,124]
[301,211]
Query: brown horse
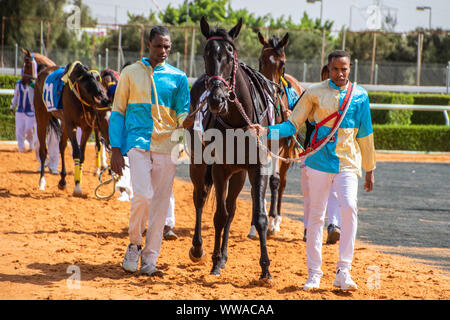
[42,62]
[272,63]
[231,103]
[85,105]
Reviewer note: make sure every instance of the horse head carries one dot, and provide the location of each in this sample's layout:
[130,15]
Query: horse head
[272,60]
[30,67]
[87,86]
[108,78]
[221,65]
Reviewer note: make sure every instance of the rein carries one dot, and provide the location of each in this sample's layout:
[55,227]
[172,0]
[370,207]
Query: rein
[74,87]
[316,146]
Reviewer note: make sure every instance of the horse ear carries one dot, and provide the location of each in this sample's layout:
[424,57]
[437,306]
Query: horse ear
[236,29]
[204,27]
[285,40]
[262,39]
[26,52]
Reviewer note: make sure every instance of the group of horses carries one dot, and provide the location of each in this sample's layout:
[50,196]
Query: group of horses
[237,97]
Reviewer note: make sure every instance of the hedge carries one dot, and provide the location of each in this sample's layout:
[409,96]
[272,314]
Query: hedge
[403,117]
[7,127]
[412,137]
[8,81]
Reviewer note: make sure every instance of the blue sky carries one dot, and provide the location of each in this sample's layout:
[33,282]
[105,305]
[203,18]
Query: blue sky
[408,18]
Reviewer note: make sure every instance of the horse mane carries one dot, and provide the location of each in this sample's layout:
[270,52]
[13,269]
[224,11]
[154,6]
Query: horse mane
[275,43]
[40,59]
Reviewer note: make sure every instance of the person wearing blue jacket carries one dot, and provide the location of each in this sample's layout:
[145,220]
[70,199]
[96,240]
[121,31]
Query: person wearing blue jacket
[348,148]
[151,101]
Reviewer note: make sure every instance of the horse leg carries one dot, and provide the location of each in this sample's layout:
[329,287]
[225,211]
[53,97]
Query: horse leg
[258,182]
[234,188]
[274,184]
[62,149]
[98,150]
[86,132]
[220,178]
[42,123]
[201,179]
[284,167]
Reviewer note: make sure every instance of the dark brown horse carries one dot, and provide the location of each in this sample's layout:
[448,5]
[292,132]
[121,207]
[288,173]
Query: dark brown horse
[272,63]
[230,110]
[85,105]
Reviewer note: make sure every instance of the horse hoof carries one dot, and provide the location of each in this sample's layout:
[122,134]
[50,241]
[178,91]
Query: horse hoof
[77,191]
[266,281]
[215,271]
[61,186]
[42,184]
[252,234]
[271,234]
[194,258]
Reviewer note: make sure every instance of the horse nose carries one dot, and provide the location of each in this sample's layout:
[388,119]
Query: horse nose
[105,102]
[216,102]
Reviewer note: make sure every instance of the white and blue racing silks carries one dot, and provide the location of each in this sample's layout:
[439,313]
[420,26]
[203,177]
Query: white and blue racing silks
[149,104]
[352,145]
[23,98]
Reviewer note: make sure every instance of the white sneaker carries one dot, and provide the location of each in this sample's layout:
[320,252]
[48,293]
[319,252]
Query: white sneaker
[53,171]
[313,282]
[344,280]
[123,196]
[131,260]
[150,270]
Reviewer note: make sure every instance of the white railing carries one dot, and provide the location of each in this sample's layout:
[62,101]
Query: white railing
[414,107]
[374,106]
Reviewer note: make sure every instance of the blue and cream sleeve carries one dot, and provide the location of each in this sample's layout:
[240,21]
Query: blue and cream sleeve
[364,137]
[183,99]
[117,119]
[281,130]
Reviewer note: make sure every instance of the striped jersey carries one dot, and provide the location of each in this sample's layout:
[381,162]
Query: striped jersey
[149,104]
[23,98]
[352,146]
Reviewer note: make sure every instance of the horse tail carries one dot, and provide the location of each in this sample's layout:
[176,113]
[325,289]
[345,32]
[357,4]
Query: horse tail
[55,126]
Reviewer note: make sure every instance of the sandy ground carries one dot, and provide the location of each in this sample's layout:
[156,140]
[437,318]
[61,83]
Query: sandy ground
[50,239]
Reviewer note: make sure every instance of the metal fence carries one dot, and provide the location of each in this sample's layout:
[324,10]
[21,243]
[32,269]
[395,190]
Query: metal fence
[386,73]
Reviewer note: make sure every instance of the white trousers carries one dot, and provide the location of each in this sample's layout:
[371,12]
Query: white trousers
[24,130]
[170,217]
[52,141]
[346,186]
[152,177]
[332,208]
[125,179]
[125,182]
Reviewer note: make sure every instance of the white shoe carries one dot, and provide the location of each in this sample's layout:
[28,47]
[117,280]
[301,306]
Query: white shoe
[150,270]
[53,171]
[123,196]
[313,282]
[131,261]
[344,280]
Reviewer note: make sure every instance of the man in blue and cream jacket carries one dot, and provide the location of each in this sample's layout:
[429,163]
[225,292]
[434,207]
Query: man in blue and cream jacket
[338,163]
[151,100]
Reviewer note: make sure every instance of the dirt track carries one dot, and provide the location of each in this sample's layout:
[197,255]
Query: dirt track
[45,234]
